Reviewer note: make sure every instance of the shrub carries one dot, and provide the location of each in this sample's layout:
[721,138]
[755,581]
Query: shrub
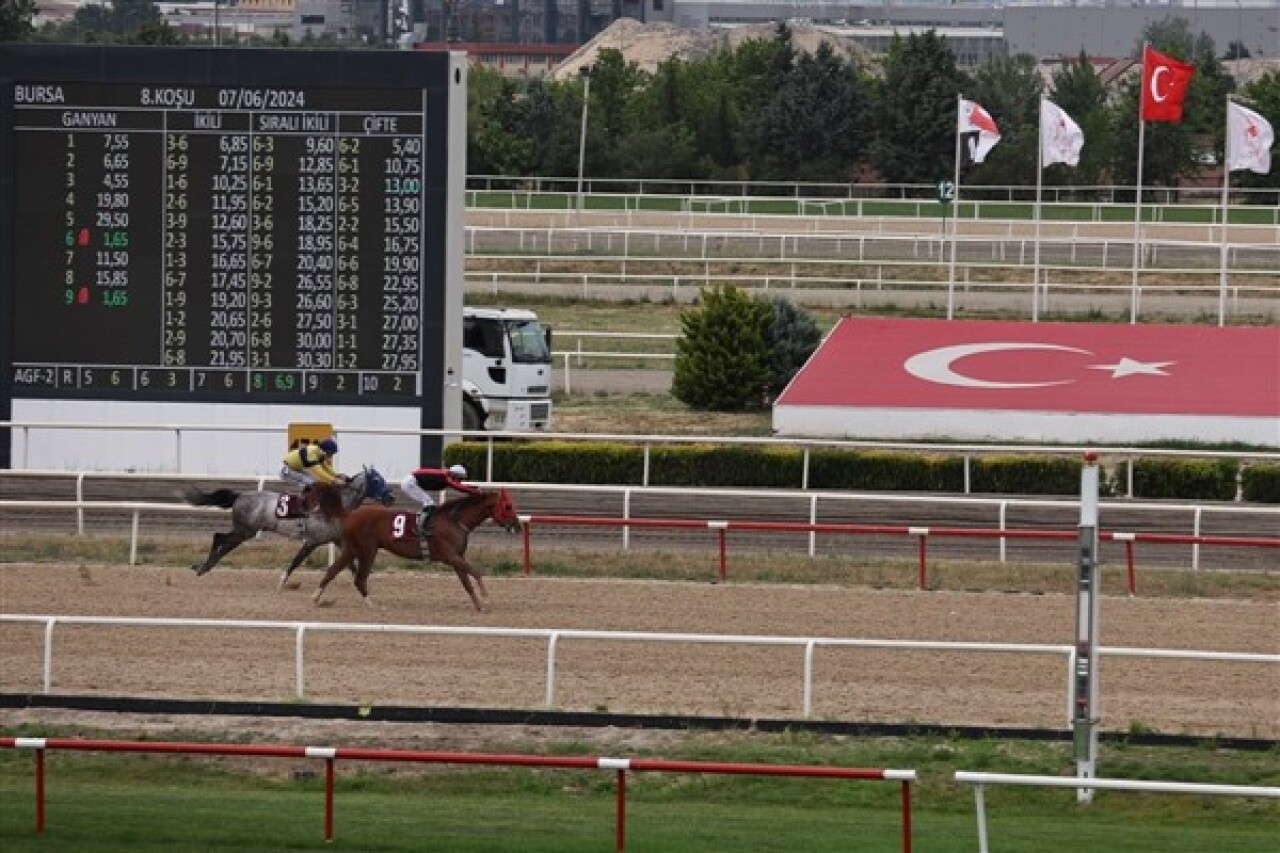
[1261,483]
[721,358]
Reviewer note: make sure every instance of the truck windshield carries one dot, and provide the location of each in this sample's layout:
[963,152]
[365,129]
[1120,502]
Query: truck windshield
[528,343]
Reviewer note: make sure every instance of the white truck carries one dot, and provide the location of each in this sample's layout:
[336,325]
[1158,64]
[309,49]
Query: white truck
[506,370]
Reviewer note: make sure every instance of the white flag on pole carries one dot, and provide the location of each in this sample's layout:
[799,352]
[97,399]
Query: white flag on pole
[978,132]
[1249,140]
[1060,137]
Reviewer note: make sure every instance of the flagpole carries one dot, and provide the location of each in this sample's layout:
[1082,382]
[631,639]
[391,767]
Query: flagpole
[1137,202]
[955,218]
[1226,185]
[1035,274]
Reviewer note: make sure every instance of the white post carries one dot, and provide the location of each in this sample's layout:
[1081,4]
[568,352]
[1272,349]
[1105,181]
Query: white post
[582,133]
[980,806]
[1222,257]
[1085,710]
[955,218]
[1035,268]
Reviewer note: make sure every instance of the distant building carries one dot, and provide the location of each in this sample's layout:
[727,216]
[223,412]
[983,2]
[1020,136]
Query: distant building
[1043,29]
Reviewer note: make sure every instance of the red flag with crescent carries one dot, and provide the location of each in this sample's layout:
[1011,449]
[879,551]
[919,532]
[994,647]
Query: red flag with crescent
[1164,86]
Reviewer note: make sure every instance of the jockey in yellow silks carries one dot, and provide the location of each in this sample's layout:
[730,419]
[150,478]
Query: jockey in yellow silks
[311,462]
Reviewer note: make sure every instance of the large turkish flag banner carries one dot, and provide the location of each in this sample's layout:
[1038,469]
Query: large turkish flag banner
[1189,380]
[1164,86]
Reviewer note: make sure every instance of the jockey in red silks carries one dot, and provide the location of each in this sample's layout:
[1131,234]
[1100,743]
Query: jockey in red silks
[420,483]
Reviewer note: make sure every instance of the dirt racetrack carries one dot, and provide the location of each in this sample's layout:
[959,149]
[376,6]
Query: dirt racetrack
[867,685]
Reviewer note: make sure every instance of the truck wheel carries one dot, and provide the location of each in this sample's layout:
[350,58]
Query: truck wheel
[471,417]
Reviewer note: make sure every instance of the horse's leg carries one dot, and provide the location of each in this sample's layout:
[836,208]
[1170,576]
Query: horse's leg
[364,567]
[209,560]
[472,570]
[465,573]
[223,544]
[298,559]
[344,559]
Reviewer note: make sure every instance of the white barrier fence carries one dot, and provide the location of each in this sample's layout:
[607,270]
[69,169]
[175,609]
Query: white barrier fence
[170,457]
[553,637]
[1000,506]
[981,780]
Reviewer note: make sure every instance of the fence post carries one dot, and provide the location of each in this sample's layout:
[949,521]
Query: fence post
[525,524]
[980,806]
[922,533]
[133,539]
[328,753]
[1085,717]
[721,528]
[549,698]
[297,662]
[38,744]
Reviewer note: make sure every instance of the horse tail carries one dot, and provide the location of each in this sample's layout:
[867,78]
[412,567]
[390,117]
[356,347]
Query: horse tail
[224,498]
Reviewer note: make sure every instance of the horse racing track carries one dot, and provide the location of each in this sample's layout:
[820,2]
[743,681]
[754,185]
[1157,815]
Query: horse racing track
[957,688]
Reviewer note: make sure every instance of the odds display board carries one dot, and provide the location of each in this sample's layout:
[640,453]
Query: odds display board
[1059,382]
[269,228]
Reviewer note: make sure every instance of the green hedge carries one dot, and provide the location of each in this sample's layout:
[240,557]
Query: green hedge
[1185,479]
[1260,483]
[748,466]
[1026,475]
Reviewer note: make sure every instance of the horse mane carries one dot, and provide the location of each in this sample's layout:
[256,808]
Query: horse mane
[329,500]
[467,500]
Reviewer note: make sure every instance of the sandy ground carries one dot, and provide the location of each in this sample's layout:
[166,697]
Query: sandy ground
[871,685]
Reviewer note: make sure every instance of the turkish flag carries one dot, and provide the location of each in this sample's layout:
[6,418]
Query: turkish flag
[906,378]
[1164,85]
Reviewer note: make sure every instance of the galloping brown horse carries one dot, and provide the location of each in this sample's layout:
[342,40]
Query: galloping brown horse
[368,528]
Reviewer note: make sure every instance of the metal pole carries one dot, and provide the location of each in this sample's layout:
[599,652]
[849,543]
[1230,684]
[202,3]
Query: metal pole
[582,133]
[1085,710]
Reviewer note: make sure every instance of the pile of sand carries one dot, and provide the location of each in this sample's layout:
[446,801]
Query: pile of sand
[647,45]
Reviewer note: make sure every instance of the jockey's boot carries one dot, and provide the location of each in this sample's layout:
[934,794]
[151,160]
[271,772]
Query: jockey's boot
[424,521]
[308,497]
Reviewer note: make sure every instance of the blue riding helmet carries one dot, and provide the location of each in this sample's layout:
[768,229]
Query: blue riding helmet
[329,446]
[377,487]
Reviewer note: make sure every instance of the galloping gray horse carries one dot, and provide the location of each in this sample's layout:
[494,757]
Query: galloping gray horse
[253,512]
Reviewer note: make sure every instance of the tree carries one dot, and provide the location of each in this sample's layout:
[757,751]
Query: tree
[1263,95]
[917,110]
[1010,90]
[495,112]
[137,21]
[614,82]
[1168,35]
[1167,155]
[791,338]
[1077,88]
[813,127]
[1236,50]
[1207,97]
[722,359]
[15,19]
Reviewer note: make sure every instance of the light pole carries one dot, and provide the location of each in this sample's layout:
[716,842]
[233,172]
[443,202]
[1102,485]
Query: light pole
[585,73]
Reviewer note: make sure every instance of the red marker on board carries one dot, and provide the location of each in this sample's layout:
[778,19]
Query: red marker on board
[82,239]
[82,296]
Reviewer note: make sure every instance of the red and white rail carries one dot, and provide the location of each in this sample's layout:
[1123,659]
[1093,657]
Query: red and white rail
[331,755]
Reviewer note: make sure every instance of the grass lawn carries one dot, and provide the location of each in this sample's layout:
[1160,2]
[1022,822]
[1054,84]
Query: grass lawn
[135,803]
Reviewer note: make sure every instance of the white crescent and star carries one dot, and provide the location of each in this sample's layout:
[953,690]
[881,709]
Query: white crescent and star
[1155,80]
[938,365]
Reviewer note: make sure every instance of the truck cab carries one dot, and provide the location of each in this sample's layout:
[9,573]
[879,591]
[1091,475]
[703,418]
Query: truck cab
[506,370]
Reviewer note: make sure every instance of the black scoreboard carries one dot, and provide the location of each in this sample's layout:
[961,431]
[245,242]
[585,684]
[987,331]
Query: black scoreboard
[224,225]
